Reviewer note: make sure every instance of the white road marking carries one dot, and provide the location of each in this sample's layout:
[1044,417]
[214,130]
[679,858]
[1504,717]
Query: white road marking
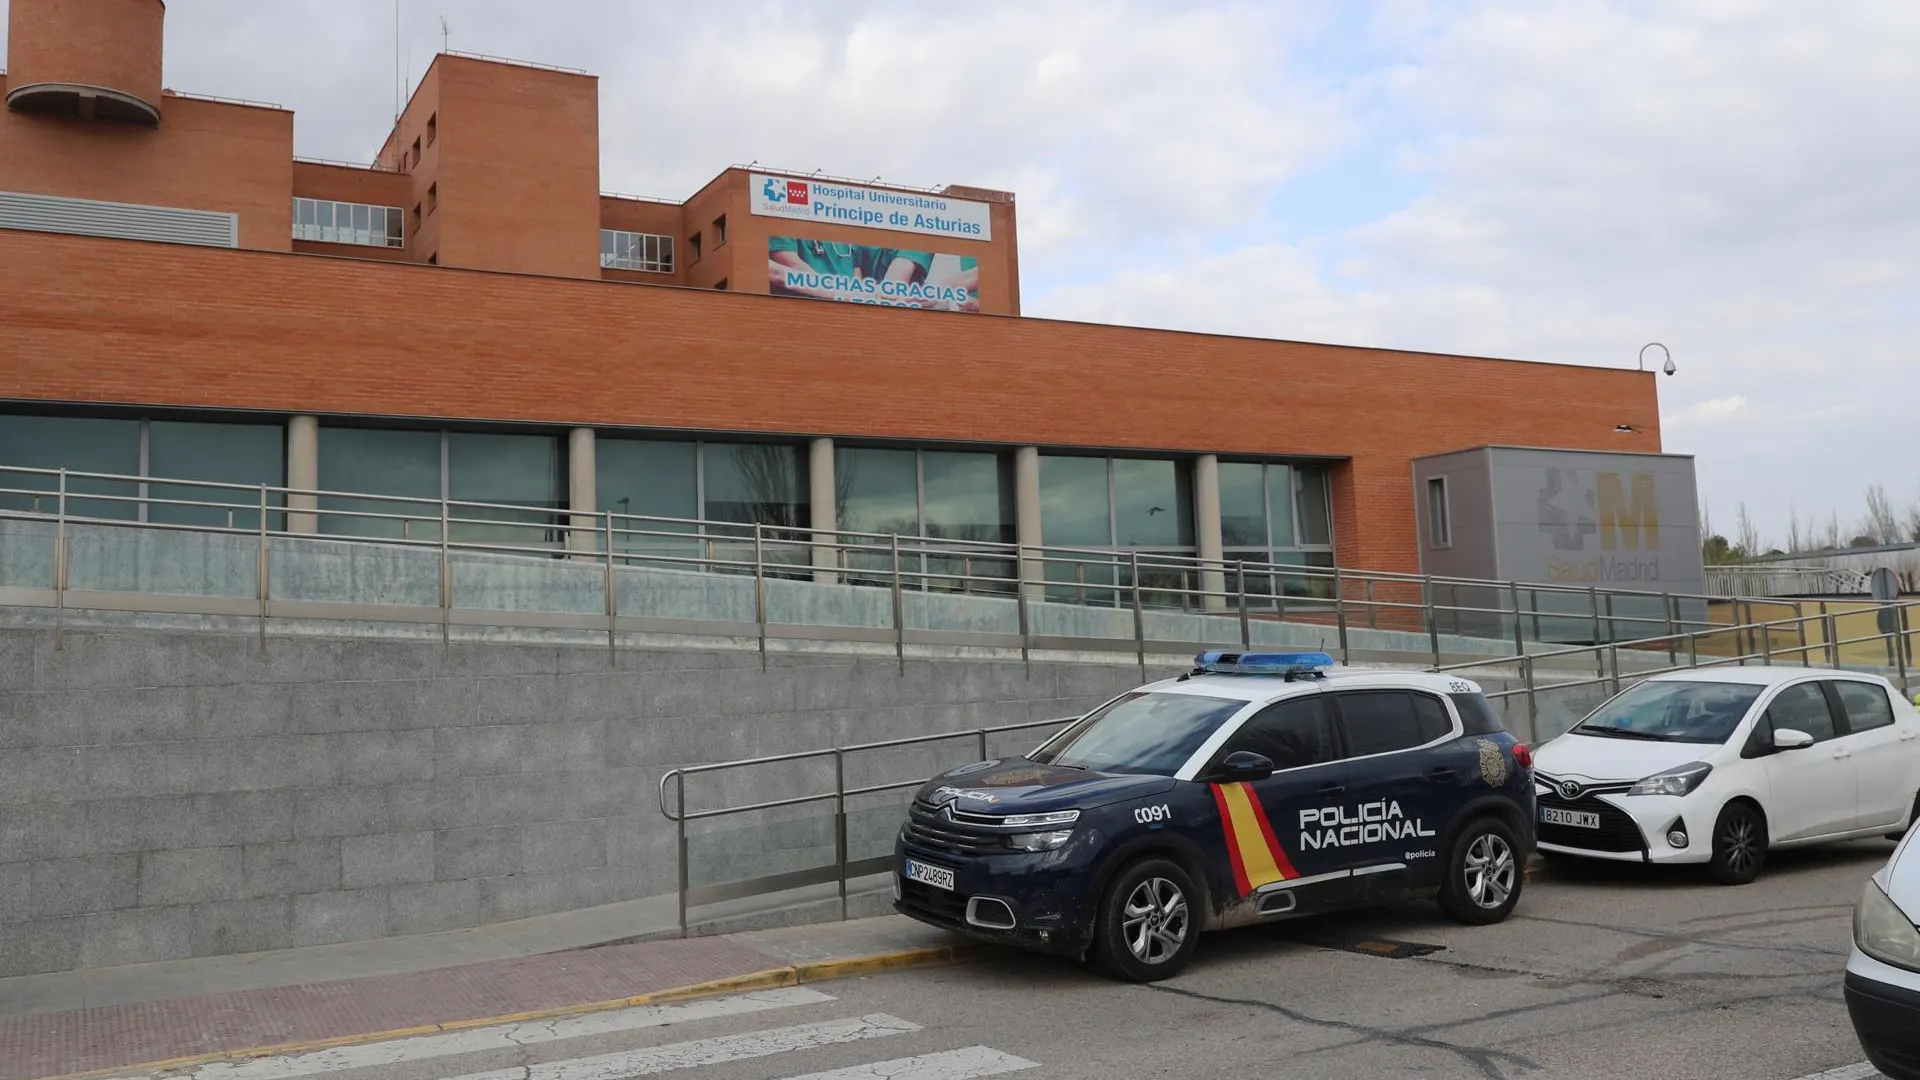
[715,1051]
[505,1036]
[1863,1071]
[951,1065]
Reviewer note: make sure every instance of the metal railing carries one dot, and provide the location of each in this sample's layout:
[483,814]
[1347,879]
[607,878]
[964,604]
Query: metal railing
[1754,642]
[843,868]
[1435,617]
[1785,580]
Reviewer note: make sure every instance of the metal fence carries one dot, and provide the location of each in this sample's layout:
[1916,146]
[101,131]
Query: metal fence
[440,553]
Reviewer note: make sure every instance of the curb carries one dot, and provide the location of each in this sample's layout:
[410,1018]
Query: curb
[768,979]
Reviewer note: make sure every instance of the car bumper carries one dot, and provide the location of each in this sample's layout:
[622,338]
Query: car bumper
[1042,893]
[1884,1004]
[1633,829]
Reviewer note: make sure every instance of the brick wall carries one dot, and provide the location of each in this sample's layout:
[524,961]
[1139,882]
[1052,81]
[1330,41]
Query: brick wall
[264,331]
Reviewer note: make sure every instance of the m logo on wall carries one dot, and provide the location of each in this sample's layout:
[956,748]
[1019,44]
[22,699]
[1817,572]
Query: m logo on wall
[1623,510]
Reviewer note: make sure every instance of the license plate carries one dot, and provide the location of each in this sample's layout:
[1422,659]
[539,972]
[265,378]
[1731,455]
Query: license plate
[1579,819]
[937,876]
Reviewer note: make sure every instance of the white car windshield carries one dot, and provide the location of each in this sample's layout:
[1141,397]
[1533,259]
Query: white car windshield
[1692,712]
[1146,733]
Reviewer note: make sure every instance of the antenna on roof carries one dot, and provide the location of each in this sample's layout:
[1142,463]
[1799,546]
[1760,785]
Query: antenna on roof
[446,33]
[397,91]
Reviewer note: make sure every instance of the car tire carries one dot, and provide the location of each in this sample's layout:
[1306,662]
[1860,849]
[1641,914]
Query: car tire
[1484,873]
[1149,922]
[1739,844]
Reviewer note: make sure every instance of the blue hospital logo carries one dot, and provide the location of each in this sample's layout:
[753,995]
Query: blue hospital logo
[773,192]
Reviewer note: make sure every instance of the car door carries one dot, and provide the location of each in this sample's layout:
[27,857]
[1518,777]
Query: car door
[1811,791]
[1261,819]
[1883,751]
[1398,797]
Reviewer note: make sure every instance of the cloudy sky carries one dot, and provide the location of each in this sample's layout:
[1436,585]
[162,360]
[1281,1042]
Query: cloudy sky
[1542,179]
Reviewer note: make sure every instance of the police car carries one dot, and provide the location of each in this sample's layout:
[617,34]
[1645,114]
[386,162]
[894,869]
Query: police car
[1257,787]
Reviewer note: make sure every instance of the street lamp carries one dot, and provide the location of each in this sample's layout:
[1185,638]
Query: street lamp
[1668,367]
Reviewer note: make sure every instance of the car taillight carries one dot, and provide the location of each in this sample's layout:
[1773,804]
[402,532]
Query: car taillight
[1522,755]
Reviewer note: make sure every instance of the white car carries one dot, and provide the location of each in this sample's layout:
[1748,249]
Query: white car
[1883,968]
[1721,765]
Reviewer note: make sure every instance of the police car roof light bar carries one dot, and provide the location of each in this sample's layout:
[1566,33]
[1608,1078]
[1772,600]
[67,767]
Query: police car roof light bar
[1290,665]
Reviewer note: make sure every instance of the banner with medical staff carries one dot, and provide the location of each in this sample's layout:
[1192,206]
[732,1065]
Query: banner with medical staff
[863,274]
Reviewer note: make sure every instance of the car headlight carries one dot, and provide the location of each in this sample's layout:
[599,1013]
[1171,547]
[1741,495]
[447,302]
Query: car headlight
[1039,841]
[1040,821]
[1676,781]
[1883,931]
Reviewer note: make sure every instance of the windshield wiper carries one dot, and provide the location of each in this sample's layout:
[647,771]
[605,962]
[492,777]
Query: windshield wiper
[1621,733]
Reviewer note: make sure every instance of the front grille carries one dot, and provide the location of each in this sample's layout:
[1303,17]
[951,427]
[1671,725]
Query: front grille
[1617,832]
[937,905]
[935,831]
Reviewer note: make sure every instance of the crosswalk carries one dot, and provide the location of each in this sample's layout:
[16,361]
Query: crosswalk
[625,1044]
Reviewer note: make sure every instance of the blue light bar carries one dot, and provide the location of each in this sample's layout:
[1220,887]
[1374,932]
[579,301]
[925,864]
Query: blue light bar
[1263,663]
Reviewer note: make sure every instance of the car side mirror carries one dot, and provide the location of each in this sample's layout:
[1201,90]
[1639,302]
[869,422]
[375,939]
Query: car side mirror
[1242,766]
[1786,738]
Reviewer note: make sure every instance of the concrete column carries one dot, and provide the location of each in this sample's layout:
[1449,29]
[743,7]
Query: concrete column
[1026,520]
[825,509]
[303,473]
[583,485]
[1206,530]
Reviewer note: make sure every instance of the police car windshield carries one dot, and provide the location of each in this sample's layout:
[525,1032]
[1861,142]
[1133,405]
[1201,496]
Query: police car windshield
[1151,734]
[1691,712]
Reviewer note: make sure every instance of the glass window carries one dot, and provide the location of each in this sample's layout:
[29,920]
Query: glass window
[1802,708]
[1381,721]
[761,483]
[968,496]
[522,470]
[1432,718]
[80,444]
[878,491]
[1866,704]
[1292,734]
[378,461]
[1316,526]
[648,478]
[1439,528]
[223,453]
[1152,503]
[636,251]
[1243,504]
[1280,504]
[1149,733]
[1674,711]
[1073,502]
[347,223]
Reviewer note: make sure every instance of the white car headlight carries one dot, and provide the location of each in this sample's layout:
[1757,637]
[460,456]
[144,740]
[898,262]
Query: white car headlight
[1030,821]
[1883,931]
[1676,781]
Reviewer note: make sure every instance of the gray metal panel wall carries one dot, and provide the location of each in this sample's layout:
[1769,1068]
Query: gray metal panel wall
[125,221]
[1472,553]
[1611,520]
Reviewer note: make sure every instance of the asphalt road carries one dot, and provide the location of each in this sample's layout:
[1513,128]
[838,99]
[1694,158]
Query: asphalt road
[1606,972]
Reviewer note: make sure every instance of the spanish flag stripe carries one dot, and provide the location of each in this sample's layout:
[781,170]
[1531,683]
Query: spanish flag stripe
[1255,853]
[1280,859]
[1233,849]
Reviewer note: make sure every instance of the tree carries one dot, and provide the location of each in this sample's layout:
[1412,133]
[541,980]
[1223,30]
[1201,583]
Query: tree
[1798,538]
[1746,535]
[1880,522]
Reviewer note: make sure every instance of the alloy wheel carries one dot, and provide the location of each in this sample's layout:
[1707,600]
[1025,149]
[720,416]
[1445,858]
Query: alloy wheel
[1154,920]
[1490,869]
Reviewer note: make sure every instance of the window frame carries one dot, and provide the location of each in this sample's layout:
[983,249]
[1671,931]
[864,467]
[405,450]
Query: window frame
[1844,716]
[379,232]
[1336,735]
[1439,513]
[636,252]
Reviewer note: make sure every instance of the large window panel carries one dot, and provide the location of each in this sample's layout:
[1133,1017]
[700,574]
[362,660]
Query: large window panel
[648,478]
[252,454]
[968,496]
[1152,503]
[1243,504]
[878,491]
[1280,504]
[78,444]
[1316,523]
[756,483]
[378,461]
[519,470]
[1074,511]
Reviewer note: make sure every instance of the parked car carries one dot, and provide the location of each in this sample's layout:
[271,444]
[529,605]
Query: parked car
[1720,766]
[1257,787]
[1883,968]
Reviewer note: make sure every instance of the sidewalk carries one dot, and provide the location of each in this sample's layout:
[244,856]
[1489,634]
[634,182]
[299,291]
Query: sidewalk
[294,1012]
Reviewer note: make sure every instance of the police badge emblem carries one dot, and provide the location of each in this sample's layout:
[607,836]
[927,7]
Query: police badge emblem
[1493,764]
